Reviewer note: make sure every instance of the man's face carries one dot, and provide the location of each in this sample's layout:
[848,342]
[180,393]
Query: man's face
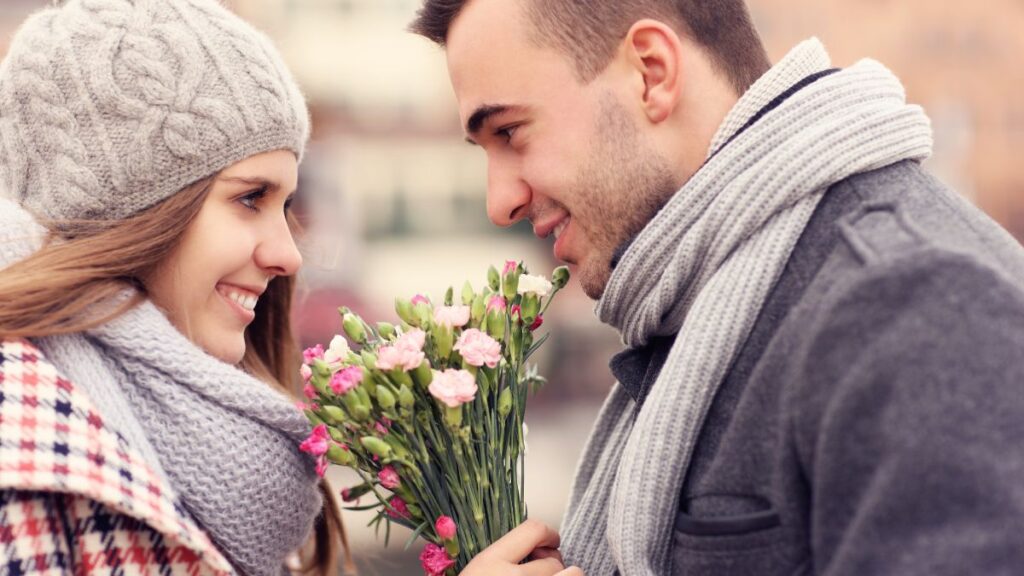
[570,157]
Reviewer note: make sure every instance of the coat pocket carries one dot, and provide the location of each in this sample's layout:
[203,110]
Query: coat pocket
[754,542]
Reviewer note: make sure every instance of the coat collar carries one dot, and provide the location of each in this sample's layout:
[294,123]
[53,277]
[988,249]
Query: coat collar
[53,439]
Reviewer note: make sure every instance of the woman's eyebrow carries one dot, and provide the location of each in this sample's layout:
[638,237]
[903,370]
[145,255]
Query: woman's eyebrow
[254,181]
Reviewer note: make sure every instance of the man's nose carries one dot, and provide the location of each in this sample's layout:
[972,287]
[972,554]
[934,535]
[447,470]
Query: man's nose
[508,195]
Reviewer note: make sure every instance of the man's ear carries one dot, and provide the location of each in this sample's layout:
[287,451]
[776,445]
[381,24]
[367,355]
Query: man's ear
[655,51]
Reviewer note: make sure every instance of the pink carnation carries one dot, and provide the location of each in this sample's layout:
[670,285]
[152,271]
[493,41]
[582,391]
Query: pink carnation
[510,265]
[306,372]
[314,353]
[420,299]
[496,304]
[346,380]
[380,428]
[346,495]
[400,509]
[412,340]
[321,466]
[308,391]
[478,349]
[445,528]
[451,316]
[391,357]
[389,478]
[453,387]
[435,560]
[316,444]
[406,353]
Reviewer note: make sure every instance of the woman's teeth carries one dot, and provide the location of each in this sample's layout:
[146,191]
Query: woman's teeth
[247,301]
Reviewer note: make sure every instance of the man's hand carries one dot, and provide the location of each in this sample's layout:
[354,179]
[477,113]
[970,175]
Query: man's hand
[531,539]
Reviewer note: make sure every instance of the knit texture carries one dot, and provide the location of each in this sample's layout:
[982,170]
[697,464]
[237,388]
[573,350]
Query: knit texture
[702,269]
[108,107]
[227,442]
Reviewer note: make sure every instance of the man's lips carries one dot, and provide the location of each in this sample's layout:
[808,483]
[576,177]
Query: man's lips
[547,227]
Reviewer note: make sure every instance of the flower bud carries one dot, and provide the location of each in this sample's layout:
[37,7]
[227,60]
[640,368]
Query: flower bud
[333,414]
[405,397]
[357,407]
[369,359]
[496,325]
[478,309]
[422,315]
[386,330]
[510,284]
[356,492]
[445,528]
[354,328]
[444,339]
[385,398]
[403,308]
[505,402]
[468,295]
[449,296]
[423,375]
[529,308]
[340,455]
[493,278]
[376,446]
[560,277]
[321,369]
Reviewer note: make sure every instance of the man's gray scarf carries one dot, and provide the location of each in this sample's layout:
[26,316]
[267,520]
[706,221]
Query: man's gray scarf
[702,269]
[227,442]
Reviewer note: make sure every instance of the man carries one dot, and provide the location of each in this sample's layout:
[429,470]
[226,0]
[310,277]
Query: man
[822,373]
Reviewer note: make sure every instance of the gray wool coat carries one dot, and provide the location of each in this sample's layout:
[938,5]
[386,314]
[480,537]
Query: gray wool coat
[873,423]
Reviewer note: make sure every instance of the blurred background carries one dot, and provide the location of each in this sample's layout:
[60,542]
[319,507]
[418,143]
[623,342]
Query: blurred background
[394,197]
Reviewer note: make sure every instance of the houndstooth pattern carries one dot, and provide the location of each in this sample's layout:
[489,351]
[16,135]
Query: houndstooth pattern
[74,496]
[121,103]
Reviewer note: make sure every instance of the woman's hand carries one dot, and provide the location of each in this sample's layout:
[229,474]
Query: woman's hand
[531,539]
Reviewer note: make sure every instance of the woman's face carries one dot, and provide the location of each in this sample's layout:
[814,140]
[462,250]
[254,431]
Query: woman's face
[239,241]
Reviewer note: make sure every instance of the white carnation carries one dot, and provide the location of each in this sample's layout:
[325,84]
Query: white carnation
[539,285]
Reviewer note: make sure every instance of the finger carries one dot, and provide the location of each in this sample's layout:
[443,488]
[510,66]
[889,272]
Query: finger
[523,540]
[541,553]
[543,567]
[571,571]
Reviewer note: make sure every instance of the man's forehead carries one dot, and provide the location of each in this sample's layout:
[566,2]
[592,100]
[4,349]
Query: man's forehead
[494,62]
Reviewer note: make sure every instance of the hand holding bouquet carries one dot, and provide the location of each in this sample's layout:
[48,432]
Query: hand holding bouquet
[429,412]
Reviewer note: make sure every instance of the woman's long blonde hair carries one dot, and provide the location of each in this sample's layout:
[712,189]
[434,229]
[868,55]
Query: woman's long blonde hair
[82,264]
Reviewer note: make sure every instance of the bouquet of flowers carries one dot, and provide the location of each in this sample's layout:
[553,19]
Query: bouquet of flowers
[429,412]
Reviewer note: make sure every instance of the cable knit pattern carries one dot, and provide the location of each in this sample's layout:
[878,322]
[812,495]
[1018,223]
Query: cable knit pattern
[227,443]
[119,104]
[702,269]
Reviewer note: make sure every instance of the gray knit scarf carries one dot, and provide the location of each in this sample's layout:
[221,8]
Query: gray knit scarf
[702,269]
[227,442]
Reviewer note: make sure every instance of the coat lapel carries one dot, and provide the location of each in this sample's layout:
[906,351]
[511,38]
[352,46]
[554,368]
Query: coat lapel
[53,439]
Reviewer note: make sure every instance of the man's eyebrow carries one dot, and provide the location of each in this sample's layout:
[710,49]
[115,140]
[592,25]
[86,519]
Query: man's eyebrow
[482,114]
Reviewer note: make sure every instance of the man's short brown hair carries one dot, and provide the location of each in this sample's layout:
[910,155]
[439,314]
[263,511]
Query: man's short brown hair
[589,31]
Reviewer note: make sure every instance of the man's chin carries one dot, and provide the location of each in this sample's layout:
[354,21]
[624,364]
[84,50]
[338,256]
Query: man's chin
[593,282]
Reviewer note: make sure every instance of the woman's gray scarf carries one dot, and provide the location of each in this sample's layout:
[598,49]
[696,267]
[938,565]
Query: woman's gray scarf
[702,269]
[227,442]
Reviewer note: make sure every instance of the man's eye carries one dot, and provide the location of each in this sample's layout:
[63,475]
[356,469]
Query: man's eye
[251,199]
[506,133]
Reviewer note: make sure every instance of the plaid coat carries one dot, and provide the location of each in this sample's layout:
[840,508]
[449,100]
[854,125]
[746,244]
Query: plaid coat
[74,497]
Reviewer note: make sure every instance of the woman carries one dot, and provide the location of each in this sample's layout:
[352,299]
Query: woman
[150,151]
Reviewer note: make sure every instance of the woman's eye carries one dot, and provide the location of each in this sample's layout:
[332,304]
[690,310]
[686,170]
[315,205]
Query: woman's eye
[251,199]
